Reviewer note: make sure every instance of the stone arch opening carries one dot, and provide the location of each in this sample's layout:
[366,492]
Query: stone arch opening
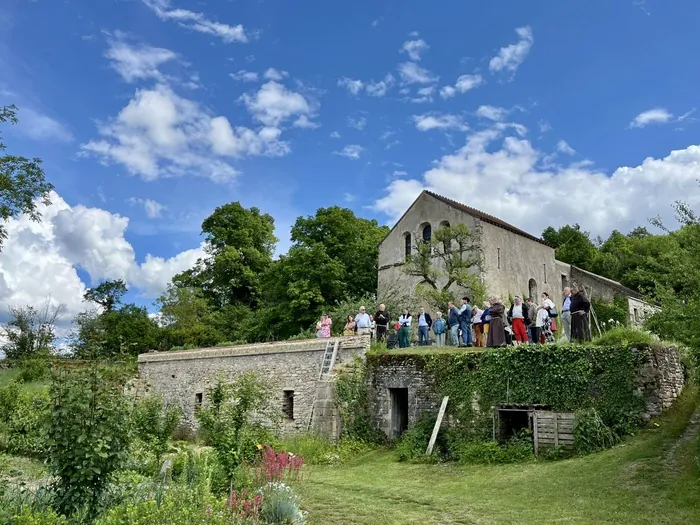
[427,232]
[532,290]
[407,245]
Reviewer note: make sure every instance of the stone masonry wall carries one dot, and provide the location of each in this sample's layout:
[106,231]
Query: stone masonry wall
[660,380]
[181,376]
[422,394]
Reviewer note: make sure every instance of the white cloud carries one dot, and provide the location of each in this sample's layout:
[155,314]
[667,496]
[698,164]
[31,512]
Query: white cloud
[431,121]
[273,74]
[464,83]
[507,174]
[348,197]
[354,86]
[377,21]
[563,147]
[273,104]
[387,135]
[510,57]
[412,73]
[197,22]
[379,89]
[651,116]
[357,123]
[244,76]
[492,113]
[138,61]
[303,122]
[38,126]
[414,48]
[352,151]
[335,135]
[423,95]
[41,259]
[160,134]
[448,92]
[399,173]
[153,209]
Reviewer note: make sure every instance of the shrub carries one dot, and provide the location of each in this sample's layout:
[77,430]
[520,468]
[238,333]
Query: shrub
[234,420]
[24,414]
[154,424]
[623,335]
[27,516]
[281,506]
[515,450]
[414,442]
[34,369]
[591,434]
[88,441]
[351,396]
[319,451]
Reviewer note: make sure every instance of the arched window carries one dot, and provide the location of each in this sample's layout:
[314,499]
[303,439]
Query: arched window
[427,233]
[407,245]
[532,289]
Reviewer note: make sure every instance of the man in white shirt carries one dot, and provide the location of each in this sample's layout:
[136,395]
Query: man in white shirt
[363,322]
[566,314]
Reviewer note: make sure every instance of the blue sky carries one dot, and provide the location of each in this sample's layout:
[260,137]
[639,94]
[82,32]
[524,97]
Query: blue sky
[150,113]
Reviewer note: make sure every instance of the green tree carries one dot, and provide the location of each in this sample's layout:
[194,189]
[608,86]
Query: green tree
[128,330]
[31,332]
[154,424]
[572,245]
[240,243]
[450,258]
[107,294]
[187,318]
[22,181]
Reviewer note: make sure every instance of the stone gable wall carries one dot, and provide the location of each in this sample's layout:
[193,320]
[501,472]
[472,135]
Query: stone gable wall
[179,376]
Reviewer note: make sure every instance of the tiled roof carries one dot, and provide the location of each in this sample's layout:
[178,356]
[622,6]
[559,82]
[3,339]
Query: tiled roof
[485,217]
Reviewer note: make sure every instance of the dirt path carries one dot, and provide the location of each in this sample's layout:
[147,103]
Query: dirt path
[689,434]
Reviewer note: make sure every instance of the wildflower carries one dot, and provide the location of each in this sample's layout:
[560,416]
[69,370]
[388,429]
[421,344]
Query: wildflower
[260,447]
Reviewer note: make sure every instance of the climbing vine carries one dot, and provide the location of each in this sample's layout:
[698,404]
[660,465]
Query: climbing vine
[568,378]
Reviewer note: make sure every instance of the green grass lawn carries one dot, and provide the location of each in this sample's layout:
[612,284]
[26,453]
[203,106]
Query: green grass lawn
[652,478]
[8,375]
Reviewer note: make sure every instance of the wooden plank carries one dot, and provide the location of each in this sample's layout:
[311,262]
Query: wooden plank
[534,431]
[561,415]
[438,422]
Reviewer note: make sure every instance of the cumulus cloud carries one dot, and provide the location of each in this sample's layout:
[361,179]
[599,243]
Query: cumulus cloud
[152,208]
[197,22]
[160,134]
[412,73]
[136,62]
[352,151]
[273,104]
[273,74]
[372,88]
[507,173]
[415,48]
[42,259]
[431,121]
[335,135]
[244,76]
[510,57]
[241,141]
[463,84]
[651,116]
[491,113]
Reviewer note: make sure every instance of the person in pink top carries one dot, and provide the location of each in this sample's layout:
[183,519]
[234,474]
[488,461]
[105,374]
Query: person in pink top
[326,323]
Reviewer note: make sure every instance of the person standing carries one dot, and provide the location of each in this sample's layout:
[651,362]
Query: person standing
[486,319]
[405,329]
[532,326]
[580,306]
[424,324]
[453,323]
[542,318]
[465,321]
[362,322]
[382,319]
[439,327]
[566,315]
[478,326]
[519,319]
[349,328]
[497,324]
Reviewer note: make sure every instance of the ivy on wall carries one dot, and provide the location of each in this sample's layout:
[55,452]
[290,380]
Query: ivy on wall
[568,378]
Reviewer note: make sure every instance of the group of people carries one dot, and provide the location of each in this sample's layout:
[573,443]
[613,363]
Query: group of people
[492,325]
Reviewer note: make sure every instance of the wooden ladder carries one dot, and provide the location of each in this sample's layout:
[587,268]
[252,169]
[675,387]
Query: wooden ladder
[329,356]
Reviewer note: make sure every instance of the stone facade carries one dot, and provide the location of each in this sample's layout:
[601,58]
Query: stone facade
[514,262]
[290,368]
[660,380]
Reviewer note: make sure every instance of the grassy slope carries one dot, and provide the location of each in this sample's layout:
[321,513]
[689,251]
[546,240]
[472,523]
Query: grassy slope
[644,480]
[10,374]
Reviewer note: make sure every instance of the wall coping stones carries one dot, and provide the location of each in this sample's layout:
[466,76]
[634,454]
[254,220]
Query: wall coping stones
[274,347]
